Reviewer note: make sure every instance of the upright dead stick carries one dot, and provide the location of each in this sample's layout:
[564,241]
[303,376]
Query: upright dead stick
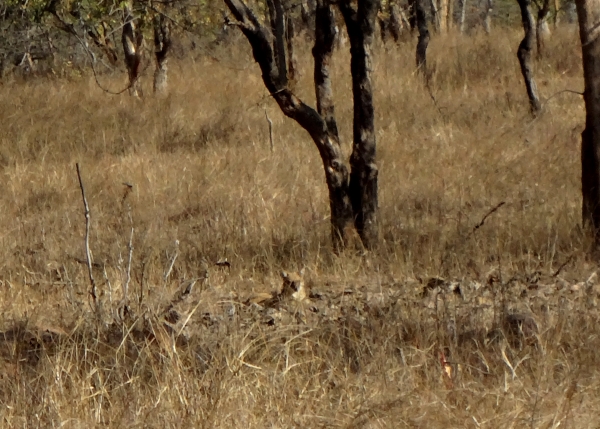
[270,131]
[128,278]
[88,254]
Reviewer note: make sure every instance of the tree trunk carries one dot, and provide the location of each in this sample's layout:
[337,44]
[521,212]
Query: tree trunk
[336,171]
[100,39]
[463,9]
[543,31]
[360,24]
[524,55]
[443,16]
[487,16]
[292,61]
[423,41]
[412,14]
[307,13]
[588,12]
[395,24]
[321,125]
[556,10]
[435,17]
[162,44]
[132,40]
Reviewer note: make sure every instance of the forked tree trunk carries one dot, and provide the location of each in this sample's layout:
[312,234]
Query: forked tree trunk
[101,40]
[524,56]
[423,41]
[542,29]
[336,171]
[588,12]
[360,24]
[133,40]
[162,45]
[266,46]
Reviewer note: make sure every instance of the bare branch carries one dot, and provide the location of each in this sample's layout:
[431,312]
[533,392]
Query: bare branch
[88,253]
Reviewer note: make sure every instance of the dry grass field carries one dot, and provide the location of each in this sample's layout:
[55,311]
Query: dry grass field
[457,320]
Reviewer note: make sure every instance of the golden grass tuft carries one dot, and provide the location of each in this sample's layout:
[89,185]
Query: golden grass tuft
[445,325]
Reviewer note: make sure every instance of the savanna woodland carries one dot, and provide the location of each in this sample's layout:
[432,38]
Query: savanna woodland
[300,213]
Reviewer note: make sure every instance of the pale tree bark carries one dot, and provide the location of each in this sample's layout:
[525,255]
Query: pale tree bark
[133,40]
[307,13]
[423,41]
[463,9]
[360,24]
[435,16]
[268,47]
[450,14]
[395,24]
[162,45]
[443,16]
[390,22]
[542,29]
[487,16]
[524,56]
[556,10]
[588,13]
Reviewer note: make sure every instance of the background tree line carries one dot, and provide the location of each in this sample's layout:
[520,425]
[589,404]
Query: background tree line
[55,36]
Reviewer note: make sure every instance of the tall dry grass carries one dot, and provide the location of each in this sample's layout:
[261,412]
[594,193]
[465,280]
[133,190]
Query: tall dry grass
[205,186]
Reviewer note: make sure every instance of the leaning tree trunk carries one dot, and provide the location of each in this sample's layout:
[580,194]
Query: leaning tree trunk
[162,45]
[423,41]
[268,47]
[542,31]
[588,12]
[360,24]
[132,39]
[524,55]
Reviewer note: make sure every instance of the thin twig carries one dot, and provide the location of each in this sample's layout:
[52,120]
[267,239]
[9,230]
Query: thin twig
[494,209]
[128,277]
[88,254]
[173,259]
[562,266]
[270,131]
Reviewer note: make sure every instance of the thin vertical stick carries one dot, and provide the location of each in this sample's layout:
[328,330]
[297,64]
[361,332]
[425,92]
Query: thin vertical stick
[270,131]
[128,278]
[87,238]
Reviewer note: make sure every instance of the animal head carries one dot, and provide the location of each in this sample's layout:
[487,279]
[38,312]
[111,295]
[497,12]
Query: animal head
[293,285]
